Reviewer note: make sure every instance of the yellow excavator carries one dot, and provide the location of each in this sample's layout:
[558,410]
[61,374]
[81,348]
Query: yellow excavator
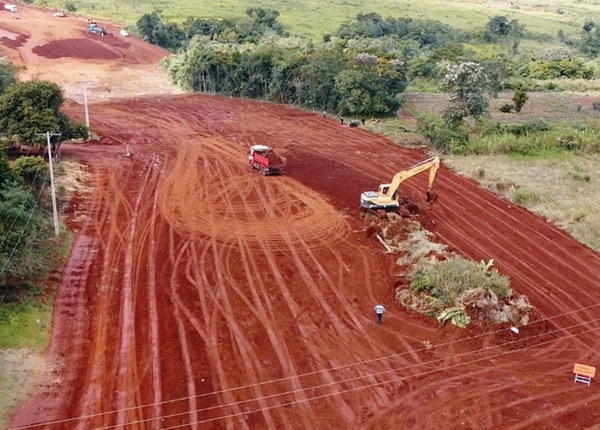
[387,197]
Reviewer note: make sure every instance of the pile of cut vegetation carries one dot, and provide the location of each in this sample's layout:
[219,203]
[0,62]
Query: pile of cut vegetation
[445,285]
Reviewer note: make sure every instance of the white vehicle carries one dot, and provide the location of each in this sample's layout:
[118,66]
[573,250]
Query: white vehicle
[124,33]
[60,14]
[10,7]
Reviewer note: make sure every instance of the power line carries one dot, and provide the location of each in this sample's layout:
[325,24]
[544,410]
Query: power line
[23,230]
[22,204]
[20,168]
[373,384]
[332,369]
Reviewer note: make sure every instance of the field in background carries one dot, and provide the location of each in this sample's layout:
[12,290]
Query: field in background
[561,187]
[316,18]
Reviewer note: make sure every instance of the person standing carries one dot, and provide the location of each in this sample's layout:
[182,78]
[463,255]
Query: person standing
[379,310]
[324,114]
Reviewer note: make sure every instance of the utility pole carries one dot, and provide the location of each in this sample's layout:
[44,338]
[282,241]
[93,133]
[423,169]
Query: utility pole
[52,187]
[85,104]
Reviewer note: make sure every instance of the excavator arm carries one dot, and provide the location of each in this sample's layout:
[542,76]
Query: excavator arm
[432,164]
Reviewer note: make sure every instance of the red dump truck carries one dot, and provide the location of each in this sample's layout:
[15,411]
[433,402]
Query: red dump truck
[265,160]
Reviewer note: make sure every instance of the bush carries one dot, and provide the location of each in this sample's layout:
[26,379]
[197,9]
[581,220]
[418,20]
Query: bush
[70,6]
[519,98]
[506,108]
[596,105]
[525,197]
[32,170]
[528,127]
[441,136]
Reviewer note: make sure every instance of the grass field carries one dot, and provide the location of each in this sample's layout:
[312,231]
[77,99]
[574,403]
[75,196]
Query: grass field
[24,330]
[561,187]
[316,18]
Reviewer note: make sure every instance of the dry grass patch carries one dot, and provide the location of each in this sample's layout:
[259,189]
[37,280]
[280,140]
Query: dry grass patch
[19,370]
[563,188]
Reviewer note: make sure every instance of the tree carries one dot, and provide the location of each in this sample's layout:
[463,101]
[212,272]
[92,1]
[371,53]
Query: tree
[20,227]
[519,98]
[500,27]
[590,40]
[371,86]
[7,74]
[149,24]
[32,107]
[469,89]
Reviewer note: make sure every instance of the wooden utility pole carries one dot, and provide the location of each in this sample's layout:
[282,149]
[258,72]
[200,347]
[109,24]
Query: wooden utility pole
[52,187]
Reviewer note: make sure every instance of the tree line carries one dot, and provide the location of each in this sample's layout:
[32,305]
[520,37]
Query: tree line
[27,247]
[359,70]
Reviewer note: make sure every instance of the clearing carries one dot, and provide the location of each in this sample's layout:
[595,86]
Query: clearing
[200,294]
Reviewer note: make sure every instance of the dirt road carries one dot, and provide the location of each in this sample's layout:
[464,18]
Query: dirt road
[200,294]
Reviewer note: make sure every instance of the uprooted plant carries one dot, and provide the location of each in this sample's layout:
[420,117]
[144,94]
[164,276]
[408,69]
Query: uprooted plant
[458,290]
[445,285]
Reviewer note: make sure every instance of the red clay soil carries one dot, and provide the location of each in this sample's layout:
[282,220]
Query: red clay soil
[84,49]
[15,43]
[200,294]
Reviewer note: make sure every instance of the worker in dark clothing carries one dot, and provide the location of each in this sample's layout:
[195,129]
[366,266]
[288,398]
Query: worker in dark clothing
[379,310]
[363,121]
[341,120]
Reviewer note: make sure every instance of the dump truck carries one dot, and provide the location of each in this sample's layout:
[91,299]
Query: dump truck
[265,160]
[10,7]
[387,197]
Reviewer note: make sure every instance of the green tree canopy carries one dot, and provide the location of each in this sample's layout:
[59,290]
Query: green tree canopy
[32,107]
[7,74]
[470,90]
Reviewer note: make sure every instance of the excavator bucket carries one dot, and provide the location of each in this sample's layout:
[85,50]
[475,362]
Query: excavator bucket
[431,197]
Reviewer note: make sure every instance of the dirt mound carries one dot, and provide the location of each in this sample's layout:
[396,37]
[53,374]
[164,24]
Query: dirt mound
[84,49]
[110,40]
[15,43]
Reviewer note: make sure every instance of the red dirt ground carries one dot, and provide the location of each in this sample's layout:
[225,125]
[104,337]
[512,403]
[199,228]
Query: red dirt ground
[200,294]
[84,49]
[64,51]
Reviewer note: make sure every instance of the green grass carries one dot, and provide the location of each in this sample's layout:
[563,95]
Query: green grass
[316,17]
[19,326]
[23,342]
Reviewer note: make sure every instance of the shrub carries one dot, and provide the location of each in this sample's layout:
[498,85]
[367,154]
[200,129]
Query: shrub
[524,197]
[70,6]
[519,98]
[528,127]
[596,105]
[442,136]
[506,108]
[33,170]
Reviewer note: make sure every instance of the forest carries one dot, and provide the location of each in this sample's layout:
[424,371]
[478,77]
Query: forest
[362,68]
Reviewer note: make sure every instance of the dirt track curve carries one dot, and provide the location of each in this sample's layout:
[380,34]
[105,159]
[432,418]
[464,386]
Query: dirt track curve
[200,294]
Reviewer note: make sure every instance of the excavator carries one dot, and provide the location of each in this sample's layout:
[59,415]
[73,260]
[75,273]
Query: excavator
[387,197]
